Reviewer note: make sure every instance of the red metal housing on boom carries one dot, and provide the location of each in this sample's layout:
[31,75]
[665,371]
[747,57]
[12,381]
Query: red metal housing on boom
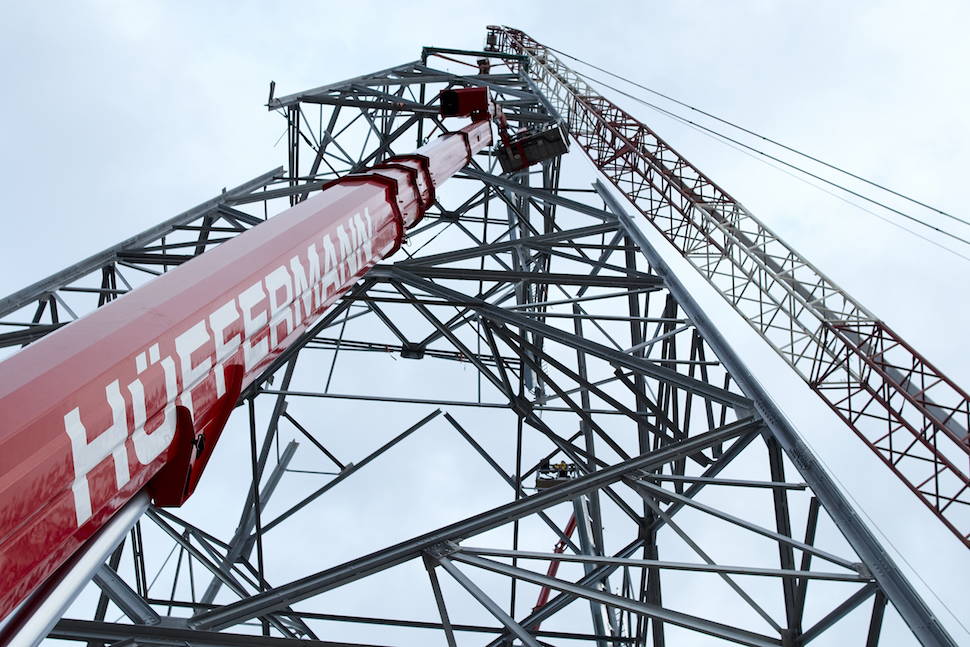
[136,394]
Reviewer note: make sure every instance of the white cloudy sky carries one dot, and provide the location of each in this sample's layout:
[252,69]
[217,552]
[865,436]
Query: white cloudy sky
[120,114]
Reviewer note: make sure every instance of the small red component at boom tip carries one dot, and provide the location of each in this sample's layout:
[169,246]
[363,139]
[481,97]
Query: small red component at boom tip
[466,102]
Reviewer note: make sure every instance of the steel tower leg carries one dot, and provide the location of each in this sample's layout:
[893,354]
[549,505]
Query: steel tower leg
[895,585]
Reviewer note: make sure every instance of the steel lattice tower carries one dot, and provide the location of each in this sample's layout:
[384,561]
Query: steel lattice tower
[545,327]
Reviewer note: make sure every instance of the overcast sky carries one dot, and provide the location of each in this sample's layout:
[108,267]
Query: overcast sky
[118,115]
[121,114]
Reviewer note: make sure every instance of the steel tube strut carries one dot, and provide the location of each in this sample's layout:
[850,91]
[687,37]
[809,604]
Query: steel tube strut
[31,622]
[136,393]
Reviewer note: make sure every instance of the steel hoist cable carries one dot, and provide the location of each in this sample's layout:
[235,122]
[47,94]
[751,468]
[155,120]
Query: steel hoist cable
[768,155]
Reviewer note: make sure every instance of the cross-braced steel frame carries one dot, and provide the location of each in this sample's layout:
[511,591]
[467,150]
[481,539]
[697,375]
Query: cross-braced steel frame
[911,415]
[532,321]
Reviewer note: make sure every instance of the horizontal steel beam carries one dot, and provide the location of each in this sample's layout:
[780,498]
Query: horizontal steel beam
[415,624]
[539,194]
[291,99]
[677,618]
[672,566]
[615,357]
[429,50]
[541,241]
[406,399]
[277,598]
[111,632]
[503,276]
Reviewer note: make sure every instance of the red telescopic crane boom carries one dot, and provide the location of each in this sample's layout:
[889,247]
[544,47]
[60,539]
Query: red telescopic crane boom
[135,395]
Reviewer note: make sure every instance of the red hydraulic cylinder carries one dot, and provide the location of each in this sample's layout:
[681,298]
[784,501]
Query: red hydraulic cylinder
[553,568]
[135,394]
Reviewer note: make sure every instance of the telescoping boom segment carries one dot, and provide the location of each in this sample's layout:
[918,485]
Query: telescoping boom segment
[135,395]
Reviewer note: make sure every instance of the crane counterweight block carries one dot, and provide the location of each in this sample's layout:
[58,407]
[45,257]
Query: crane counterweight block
[135,395]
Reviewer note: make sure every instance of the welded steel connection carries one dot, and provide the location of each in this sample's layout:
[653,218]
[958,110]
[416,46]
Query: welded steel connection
[135,395]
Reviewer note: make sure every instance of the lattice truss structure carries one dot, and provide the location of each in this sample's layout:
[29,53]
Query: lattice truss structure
[912,416]
[526,320]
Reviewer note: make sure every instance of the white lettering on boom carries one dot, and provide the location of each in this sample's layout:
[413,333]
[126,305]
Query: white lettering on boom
[258,319]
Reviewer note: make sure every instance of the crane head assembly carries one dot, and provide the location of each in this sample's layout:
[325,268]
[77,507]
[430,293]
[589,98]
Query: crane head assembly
[517,151]
[466,102]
